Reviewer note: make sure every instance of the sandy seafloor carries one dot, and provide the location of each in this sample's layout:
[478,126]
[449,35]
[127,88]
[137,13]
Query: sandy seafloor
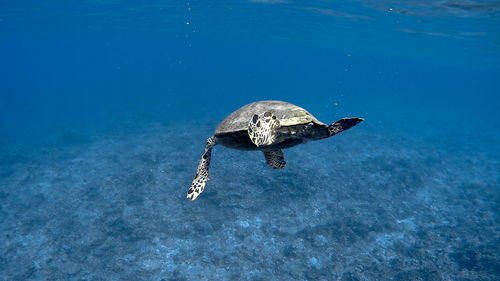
[358,206]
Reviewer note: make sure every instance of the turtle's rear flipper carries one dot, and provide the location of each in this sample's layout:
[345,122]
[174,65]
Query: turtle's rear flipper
[261,128]
[201,178]
[342,125]
[275,158]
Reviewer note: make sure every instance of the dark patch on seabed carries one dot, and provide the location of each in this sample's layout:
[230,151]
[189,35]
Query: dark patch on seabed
[359,206]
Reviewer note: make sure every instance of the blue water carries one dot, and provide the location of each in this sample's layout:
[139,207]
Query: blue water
[105,107]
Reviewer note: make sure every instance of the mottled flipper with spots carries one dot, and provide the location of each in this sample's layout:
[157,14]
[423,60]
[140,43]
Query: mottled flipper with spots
[342,125]
[261,128]
[201,178]
[275,158]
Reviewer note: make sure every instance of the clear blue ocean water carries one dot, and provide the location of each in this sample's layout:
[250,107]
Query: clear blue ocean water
[105,106]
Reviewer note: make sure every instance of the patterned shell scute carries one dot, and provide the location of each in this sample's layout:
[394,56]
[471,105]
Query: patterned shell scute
[287,113]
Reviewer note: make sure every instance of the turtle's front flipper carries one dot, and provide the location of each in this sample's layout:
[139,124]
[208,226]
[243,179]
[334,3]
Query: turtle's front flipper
[342,125]
[261,128]
[275,158]
[201,178]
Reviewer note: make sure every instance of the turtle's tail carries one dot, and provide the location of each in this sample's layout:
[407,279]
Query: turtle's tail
[343,124]
[201,178]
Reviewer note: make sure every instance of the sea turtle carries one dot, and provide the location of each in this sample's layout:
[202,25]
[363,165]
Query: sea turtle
[269,126]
